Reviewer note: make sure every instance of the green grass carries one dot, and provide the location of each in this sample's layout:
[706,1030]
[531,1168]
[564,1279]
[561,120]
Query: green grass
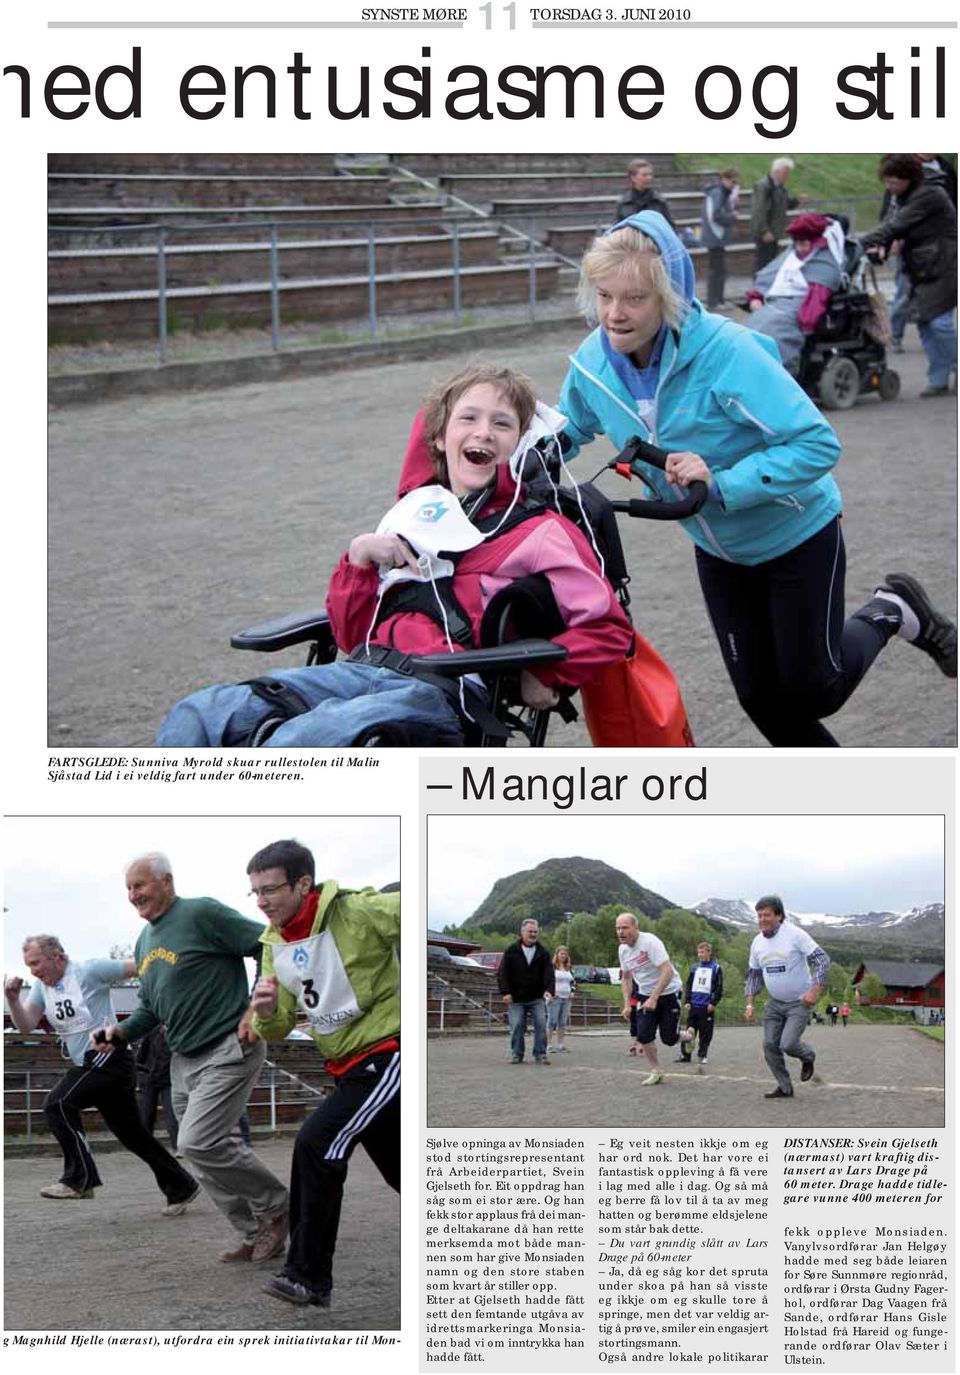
[934,1032]
[823,176]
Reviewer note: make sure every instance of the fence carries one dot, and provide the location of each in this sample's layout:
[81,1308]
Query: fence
[29,1087]
[168,245]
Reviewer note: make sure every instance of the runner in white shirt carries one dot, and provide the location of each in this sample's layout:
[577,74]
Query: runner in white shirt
[74,996]
[782,957]
[651,992]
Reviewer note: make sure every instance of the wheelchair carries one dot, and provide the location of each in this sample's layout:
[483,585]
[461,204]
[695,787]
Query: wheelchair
[512,646]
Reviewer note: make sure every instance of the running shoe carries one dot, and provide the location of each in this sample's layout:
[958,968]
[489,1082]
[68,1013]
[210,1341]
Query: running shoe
[181,1205]
[778,1093]
[655,1078]
[64,1191]
[280,1287]
[806,1073]
[938,634]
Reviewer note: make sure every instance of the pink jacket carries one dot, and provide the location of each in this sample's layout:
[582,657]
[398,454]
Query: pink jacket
[597,634]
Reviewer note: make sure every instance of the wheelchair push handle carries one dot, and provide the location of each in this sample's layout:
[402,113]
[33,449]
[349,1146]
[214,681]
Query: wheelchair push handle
[628,463]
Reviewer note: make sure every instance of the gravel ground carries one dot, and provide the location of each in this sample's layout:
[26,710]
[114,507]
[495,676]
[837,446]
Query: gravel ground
[176,520]
[148,1273]
[867,1076]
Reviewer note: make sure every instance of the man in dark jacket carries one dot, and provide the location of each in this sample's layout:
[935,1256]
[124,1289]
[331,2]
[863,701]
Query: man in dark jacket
[924,221]
[717,224]
[525,977]
[769,208]
[641,195]
[701,993]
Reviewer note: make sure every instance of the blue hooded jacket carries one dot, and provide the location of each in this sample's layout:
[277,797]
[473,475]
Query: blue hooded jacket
[720,391]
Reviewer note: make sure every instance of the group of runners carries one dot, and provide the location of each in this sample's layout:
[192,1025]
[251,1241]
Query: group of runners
[327,956]
[784,960]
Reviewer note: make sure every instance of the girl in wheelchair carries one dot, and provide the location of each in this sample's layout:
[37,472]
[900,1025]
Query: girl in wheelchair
[431,579]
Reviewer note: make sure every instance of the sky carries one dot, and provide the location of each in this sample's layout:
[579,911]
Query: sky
[822,864]
[64,876]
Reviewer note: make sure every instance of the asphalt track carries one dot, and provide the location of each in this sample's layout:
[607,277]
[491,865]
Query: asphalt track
[867,1076]
[176,520]
[113,1264]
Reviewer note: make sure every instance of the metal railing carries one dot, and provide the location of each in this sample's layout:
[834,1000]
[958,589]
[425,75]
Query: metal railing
[31,1086]
[161,241]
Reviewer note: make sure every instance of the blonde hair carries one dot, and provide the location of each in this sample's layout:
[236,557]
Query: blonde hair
[627,250]
[515,388]
[561,950]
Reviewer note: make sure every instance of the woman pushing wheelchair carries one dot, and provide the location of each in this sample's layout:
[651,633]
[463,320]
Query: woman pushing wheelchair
[769,549]
[426,582]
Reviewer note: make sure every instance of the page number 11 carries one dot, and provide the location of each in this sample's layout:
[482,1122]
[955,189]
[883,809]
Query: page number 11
[487,12]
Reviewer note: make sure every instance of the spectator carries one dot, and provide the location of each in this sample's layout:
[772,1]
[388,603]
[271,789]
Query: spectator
[526,979]
[938,172]
[924,222]
[769,208]
[702,991]
[845,1013]
[642,195]
[717,221]
[558,1013]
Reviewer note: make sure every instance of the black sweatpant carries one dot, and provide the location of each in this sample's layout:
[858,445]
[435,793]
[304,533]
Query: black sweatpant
[152,1097]
[110,1089]
[363,1108]
[701,1021]
[789,652]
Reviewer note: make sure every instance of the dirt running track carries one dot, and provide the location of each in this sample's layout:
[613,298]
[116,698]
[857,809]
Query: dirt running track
[867,1076]
[176,520]
[117,1265]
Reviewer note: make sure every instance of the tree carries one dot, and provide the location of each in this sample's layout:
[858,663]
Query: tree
[872,989]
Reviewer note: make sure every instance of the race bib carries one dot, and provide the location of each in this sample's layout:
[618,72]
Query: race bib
[313,972]
[701,979]
[64,1006]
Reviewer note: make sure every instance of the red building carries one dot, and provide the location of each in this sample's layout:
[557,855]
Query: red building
[907,985]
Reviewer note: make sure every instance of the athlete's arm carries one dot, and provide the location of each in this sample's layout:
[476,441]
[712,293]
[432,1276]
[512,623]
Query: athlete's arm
[752,986]
[626,983]
[819,963]
[129,968]
[26,1018]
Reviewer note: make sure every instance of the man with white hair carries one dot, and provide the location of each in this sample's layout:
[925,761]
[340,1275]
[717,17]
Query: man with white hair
[192,978]
[769,208]
[74,996]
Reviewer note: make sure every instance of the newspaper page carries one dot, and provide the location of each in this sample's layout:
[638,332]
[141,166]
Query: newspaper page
[261,244]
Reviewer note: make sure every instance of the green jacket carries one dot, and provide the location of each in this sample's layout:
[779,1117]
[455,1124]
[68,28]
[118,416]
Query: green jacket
[347,982]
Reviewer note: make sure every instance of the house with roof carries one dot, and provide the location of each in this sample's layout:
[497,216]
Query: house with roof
[908,985]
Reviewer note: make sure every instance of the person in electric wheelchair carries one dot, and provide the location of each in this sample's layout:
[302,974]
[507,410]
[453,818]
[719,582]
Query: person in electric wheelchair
[817,300]
[433,578]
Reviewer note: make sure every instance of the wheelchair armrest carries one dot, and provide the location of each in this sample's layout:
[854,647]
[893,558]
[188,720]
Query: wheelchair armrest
[299,627]
[514,655]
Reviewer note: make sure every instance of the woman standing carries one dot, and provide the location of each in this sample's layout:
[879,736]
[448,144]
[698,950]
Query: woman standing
[769,548]
[923,220]
[558,1009]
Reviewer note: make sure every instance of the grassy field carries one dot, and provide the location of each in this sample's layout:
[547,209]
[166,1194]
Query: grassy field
[934,1032]
[823,176]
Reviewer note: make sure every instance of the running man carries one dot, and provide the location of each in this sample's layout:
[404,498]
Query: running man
[330,955]
[651,992]
[702,991]
[794,969]
[190,957]
[74,996]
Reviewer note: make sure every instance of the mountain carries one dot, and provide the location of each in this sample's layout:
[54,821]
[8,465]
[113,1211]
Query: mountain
[558,886]
[911,934]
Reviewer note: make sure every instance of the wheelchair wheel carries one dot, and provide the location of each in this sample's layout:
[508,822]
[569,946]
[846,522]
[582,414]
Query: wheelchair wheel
[888,387]
[839,384]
